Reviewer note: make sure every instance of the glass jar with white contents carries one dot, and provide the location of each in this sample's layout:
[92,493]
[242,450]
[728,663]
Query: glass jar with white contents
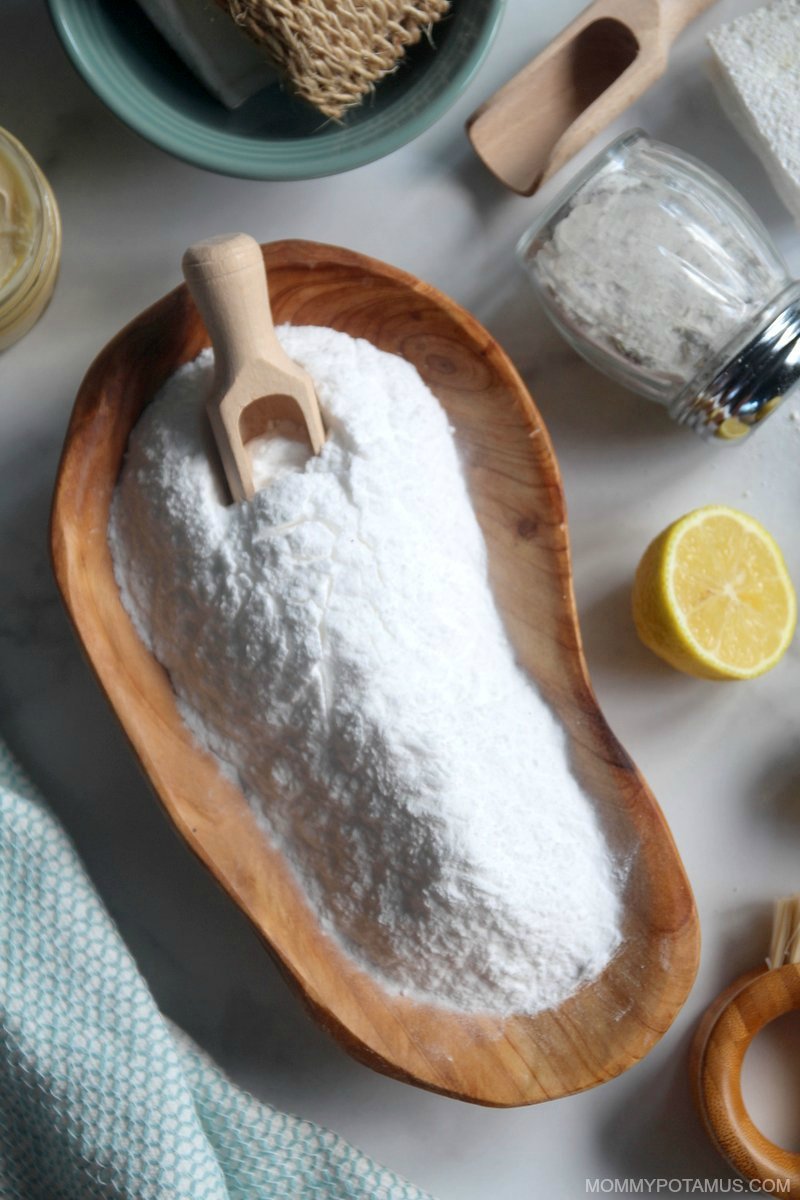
[659,273]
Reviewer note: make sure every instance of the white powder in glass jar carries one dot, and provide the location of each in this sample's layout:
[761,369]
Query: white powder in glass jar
[648,270]
[335,643]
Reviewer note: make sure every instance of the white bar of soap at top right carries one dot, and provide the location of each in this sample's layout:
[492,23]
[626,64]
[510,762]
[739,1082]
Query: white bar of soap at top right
[756,72]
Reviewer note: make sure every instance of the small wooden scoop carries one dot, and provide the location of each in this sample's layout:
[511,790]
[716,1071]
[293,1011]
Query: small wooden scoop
[586,77]
[255,381]
[720,1044]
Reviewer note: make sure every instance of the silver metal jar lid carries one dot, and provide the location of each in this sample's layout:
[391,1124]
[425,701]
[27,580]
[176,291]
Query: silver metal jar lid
[747,383]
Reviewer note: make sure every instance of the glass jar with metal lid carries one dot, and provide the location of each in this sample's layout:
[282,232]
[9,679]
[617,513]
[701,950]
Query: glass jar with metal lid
[30,241]
[658,272]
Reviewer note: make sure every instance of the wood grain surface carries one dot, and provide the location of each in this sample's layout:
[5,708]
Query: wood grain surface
[721,1041]
[516,489]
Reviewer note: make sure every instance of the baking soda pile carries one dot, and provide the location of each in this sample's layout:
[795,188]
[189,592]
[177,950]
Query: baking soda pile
[336,644]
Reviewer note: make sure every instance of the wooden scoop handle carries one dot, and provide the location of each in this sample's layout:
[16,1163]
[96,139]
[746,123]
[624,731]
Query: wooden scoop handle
[228,282]
[720,1044]
[253,375]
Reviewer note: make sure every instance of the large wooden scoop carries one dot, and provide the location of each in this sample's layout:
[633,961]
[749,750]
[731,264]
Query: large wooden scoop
[255,381]
[586,77]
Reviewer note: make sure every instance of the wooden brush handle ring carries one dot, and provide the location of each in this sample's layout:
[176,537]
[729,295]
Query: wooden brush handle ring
[718,1051]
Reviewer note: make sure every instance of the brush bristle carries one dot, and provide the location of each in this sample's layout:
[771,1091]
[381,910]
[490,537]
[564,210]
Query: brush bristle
[785,943]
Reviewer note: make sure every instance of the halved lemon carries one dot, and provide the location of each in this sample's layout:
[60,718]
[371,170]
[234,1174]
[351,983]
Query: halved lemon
[713,597]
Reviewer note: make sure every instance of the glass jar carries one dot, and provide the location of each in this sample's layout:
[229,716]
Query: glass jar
[30,241]
[659,273]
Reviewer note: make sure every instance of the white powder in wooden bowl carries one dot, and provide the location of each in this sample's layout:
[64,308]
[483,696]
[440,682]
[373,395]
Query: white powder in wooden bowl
[336,644]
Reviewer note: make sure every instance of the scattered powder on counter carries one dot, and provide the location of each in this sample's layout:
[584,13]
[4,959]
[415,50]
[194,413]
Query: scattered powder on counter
[335,643]
[756,71]
[648,287]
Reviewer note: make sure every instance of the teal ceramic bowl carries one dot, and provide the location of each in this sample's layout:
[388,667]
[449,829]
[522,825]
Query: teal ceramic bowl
[272,136]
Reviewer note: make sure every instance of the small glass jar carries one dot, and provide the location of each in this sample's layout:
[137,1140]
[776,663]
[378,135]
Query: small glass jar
[30,241]
[660,275]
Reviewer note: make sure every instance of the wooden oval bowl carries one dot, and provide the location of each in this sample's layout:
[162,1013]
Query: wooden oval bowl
[516,489]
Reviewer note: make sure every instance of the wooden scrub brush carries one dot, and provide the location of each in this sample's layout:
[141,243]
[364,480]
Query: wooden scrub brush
[722,1039]
[333,52]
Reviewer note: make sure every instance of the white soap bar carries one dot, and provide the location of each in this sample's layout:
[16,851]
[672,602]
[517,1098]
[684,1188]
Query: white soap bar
[756,70]
[222,56]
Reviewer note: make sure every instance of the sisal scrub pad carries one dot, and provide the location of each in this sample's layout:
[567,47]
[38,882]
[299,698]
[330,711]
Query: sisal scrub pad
[756,71]
[333,52]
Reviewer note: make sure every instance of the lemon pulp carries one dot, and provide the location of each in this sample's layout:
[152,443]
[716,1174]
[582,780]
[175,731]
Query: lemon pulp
[713,596]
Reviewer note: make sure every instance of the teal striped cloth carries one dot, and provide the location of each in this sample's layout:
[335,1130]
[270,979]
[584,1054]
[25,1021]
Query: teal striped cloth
[99,1096]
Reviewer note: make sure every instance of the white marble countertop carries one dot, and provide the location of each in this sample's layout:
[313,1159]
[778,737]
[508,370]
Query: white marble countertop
[724,760]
